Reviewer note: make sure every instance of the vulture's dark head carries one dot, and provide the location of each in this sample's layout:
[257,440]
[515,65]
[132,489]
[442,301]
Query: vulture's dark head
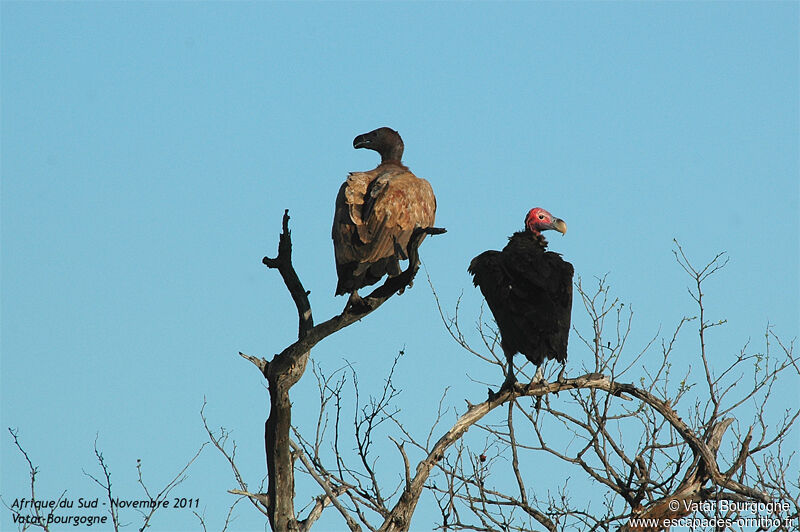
[538,220]
[385,141]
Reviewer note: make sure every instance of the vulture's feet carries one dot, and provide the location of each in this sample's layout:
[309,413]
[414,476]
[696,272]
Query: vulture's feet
[509,384]
[561,379]
[355,303]
[510,381]
[402,289]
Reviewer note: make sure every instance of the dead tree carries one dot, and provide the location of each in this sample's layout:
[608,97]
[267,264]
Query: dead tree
[287,367]
[655,446]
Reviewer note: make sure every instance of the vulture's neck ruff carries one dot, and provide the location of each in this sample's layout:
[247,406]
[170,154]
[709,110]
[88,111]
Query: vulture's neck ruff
[537,237]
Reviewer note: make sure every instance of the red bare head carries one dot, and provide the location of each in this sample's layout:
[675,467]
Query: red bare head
[539,220]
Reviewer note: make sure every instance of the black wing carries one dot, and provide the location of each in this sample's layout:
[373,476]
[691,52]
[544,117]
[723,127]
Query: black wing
[540,305]
[530,295]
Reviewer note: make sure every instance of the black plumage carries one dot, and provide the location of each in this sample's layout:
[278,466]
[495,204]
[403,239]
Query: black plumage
[529,291]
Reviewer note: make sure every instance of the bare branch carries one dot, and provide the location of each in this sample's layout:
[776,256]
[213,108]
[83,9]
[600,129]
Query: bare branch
[329,490]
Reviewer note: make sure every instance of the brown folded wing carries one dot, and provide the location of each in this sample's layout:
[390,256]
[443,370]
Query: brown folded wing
[376,213]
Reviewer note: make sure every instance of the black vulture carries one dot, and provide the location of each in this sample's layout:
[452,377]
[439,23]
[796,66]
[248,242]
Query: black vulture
[529,291]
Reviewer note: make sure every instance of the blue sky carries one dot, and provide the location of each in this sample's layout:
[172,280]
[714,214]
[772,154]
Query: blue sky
[149,150]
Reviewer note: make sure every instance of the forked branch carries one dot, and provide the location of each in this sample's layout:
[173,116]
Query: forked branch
[287,367]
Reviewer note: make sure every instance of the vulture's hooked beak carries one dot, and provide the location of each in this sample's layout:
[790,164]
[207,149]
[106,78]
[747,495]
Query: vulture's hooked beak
[361,141]
[560,226]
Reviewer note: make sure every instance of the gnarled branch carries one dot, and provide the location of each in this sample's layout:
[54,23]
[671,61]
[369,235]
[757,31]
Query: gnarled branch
[287,367]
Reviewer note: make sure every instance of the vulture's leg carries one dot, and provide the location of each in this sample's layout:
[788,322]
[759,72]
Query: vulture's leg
[539,376]
[412,249]
[412,252]
[399,252]
[354,301]
[511,379]
[396,267]
[560,379]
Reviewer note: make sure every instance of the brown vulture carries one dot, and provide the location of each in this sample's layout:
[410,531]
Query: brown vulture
[529,291]
[376,214]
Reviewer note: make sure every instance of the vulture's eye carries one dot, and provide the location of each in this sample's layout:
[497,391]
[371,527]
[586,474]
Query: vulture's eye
[541,216]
